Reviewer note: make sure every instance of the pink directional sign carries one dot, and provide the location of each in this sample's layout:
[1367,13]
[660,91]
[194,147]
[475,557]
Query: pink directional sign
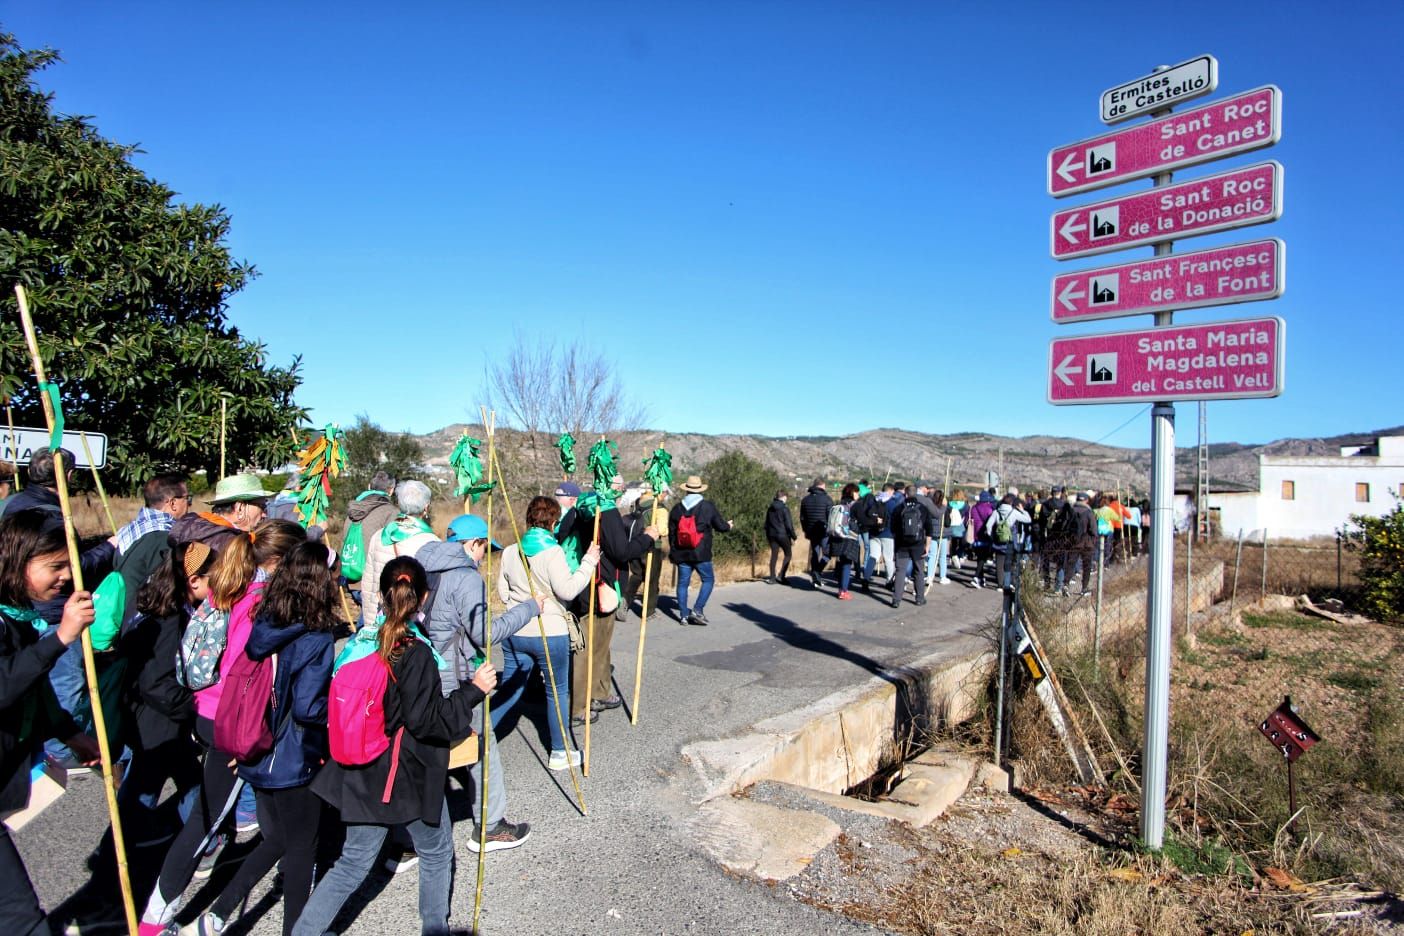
[1232,199]
[1219,361]
[1238,124]
[1220,276]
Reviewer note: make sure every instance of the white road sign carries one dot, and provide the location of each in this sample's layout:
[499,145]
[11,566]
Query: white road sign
[25,441]
[1159,90]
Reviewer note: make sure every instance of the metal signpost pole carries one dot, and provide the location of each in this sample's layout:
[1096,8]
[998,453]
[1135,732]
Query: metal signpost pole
[1155,752]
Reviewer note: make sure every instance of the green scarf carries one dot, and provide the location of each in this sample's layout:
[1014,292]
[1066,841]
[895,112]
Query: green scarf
[25,616]
[536,541]
[394,531]
[367,641]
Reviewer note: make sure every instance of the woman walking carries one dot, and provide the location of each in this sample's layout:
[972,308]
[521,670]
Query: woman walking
[550,577]
[236,586]
[845,544]
[294,627]
[404,786]
[33,567]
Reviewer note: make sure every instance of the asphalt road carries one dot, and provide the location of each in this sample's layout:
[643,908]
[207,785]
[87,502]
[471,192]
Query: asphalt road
[630,865]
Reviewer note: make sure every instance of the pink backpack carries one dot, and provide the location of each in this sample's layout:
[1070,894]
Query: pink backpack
[243,725]
[356,716]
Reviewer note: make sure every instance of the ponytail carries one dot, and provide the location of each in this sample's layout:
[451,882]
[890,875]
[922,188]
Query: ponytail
[242,556]
[403,587]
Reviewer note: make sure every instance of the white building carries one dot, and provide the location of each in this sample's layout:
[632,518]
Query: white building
[1299,497]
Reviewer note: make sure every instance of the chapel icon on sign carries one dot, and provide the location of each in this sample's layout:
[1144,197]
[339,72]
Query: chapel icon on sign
[1106,222]
[1105,289]
[1101,159]
[1101,368]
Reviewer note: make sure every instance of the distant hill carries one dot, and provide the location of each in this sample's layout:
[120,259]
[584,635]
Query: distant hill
[1030,461]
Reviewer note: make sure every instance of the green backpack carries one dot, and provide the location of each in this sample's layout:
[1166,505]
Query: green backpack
[109,604]
[1003,534]
[353,547]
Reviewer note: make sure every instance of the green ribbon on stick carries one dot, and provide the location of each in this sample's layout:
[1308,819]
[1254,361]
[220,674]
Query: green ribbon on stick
[56,436]
[658,470]
[467,468]
[602,466]
[566,445]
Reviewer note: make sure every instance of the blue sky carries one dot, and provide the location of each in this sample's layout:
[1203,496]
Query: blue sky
[783,218]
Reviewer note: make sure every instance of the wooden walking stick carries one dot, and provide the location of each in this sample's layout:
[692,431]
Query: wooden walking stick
[601,462]
[489,422]
[97,479]
[658,469]
[14,442]
[223,413]
[48,396]
[590,645]
[541,626]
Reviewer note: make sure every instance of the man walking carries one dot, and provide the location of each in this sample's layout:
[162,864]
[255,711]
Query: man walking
[780,533]
[910,528]
[814,515]
[691,523]
[1082,543]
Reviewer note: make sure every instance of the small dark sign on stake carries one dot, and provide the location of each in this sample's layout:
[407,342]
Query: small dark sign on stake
[1287,732]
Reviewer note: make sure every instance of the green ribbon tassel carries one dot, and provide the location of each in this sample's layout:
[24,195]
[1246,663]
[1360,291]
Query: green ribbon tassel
[566,444]
[467,467]
[318,464]
[601,465]
[658,470]
[56,436]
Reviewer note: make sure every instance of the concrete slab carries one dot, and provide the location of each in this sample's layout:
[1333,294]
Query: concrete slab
[759,840]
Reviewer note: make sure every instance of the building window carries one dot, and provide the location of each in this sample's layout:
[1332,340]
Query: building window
[1289,490]
[1362,493]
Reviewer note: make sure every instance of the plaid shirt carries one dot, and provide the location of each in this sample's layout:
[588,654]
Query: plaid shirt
[147,521]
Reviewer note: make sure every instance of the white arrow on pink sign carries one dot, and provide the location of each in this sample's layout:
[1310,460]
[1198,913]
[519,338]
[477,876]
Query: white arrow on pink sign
[1237,198]
[1219,276]
[1247,121]
[1235,360]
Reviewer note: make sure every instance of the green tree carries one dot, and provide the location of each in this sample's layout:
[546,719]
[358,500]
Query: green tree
[1380,543]
[742,488]
[370,448]
[128,289]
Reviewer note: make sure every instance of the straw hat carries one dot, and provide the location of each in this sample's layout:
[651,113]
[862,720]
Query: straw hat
[239,487]
[693,485]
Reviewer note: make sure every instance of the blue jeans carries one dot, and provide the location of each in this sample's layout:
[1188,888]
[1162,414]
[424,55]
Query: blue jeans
[71,688]
[704,569]
[521,655]
[845,574]
[939,545]
[433,844]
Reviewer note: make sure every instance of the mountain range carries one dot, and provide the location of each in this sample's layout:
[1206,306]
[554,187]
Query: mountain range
[1029,461]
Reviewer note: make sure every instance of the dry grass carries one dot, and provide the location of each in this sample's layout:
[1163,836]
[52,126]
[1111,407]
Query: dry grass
[1227,784]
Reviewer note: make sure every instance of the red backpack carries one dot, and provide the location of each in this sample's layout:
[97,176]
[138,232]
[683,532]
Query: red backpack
[356,716]
[243,725]
[689,537]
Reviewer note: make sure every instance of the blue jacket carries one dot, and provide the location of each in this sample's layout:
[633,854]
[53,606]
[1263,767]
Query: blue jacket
[300,703]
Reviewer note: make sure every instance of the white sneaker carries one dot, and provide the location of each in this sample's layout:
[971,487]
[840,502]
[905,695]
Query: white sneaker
[558,760]
[944,581]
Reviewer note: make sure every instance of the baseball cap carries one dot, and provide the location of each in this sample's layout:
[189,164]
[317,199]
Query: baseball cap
[467,527]
[568,489]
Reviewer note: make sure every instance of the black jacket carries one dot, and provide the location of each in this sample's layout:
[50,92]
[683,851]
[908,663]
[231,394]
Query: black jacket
[145,556]
[708,520]
[1084,528]
[159,709]
[432,722]
[904,542]
[814,511]
[779,526]
[617,546]
[868,514]
[29,713]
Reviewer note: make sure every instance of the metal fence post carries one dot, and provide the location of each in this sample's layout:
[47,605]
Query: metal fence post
[1189,582]
[1097,612]
[1264,594]
[1237,562]
[1338,563]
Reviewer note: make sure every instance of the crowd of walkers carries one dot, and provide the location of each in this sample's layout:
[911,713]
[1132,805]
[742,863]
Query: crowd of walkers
[236,670]
[240,674]
[915,534]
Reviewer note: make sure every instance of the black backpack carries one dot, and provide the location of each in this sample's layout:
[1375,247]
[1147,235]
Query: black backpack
[910,525]
[870,514]
[1062,524]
